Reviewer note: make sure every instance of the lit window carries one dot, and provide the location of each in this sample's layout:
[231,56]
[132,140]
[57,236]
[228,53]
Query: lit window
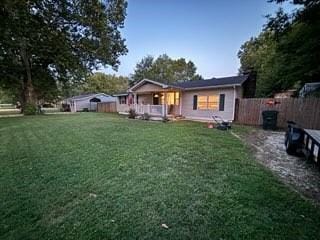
[213,102]
[177,98]
[202,102]
[208,102]
[170,98]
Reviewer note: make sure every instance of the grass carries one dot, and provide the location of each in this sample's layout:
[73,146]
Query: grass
[99,176]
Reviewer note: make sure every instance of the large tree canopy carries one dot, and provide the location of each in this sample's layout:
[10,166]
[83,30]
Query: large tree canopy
[100,82]
[165,69]
[286,54]
[44,44]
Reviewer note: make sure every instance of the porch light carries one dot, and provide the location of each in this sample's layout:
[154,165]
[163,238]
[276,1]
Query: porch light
[156,95]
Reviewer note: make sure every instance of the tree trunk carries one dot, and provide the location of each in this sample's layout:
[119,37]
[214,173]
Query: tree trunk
[28,89]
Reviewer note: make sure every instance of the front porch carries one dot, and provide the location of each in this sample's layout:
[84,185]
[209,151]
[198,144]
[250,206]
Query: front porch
[158,103]
[154,98]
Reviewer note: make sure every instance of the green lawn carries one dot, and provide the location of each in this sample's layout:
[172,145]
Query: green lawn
[100,176]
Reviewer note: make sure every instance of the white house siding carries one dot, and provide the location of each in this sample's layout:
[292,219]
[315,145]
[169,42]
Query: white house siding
[239,92]
[227,114]
[145,99]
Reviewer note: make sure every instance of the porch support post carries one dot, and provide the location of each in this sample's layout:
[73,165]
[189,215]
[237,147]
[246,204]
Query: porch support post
[164,107]
[234,103]
[135,102]
[180,103]
[135,98]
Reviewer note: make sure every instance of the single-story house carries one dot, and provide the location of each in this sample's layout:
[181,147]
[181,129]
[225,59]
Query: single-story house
[199,99]
[88,101]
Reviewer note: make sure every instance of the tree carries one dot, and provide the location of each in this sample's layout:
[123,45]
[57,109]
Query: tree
[258,56]
[110,84]
[6,97]
[166,70]
[298,45]
[43,43]
[286,54]
[144,68]
[306,3]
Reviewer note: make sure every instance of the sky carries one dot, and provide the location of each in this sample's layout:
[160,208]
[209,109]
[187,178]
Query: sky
[207,32]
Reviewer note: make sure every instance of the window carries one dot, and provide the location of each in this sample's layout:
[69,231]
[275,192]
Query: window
[170,98]
[221,102]
[123,100]
[213,102]
[177,98]
[202,102]
[208,102]
[195,102]
[173,98]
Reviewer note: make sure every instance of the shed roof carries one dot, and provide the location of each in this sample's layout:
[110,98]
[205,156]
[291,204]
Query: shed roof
[86,96]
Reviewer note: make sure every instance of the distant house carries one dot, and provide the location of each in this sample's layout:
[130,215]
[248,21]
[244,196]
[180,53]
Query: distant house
[310,89]
[286,94]
[88,101]
[199,99]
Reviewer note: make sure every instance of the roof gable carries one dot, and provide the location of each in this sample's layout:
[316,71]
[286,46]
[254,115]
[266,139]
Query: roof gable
[144,81]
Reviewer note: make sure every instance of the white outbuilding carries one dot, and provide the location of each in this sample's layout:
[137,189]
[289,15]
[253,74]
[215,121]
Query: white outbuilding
[88,102]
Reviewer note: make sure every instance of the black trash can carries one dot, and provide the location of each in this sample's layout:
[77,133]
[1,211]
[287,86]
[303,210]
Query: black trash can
[269,120]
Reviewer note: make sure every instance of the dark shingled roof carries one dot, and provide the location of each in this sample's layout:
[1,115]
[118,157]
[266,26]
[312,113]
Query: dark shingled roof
[235,80]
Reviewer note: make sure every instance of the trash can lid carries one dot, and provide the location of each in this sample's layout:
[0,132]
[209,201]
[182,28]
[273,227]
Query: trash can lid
[270,113]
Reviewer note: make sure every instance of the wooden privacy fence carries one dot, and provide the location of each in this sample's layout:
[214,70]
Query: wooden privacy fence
[304,111]
[106,107]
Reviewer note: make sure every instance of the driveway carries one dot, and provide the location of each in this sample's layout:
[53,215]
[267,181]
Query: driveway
[269,149]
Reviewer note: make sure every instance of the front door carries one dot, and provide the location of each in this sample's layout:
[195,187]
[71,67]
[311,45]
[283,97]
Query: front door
[156,99]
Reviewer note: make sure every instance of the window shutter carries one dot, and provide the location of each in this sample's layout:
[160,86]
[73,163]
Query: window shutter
[221,102]
[195,102]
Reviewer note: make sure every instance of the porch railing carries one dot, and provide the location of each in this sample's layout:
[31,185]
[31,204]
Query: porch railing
[123,108]
[153,110]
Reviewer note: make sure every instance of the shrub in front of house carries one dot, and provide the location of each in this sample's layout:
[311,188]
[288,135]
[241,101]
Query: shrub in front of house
[132,114]
[30,109]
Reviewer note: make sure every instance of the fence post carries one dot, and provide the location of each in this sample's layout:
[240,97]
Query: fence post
[236,109]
